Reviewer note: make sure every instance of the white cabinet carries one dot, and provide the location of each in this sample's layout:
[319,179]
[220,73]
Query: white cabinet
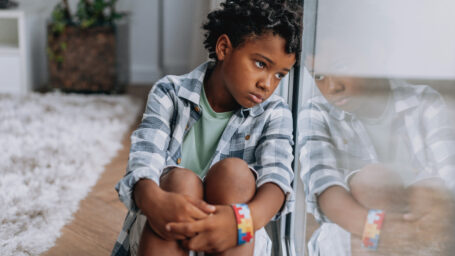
[16,27]
[10,74]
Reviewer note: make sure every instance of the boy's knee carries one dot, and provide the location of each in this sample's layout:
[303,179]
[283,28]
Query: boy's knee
[229,181]
[376,186]
[181,180]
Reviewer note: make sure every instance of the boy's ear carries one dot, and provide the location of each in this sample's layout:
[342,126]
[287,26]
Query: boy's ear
[223,47]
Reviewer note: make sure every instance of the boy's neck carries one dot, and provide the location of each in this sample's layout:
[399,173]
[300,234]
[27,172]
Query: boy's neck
[218,96]
[378,100]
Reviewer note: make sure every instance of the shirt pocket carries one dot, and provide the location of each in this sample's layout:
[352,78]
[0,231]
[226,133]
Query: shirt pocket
[351,154]
[350,147]
[237,144]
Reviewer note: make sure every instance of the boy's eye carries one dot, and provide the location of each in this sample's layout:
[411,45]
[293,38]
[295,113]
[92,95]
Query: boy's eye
[319,77]
[279,75]
[259,64]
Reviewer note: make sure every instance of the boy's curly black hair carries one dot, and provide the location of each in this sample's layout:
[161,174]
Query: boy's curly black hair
[241,19]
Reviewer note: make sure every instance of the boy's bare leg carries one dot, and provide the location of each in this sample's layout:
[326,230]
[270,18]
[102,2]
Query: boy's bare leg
[177,180]
[227,182]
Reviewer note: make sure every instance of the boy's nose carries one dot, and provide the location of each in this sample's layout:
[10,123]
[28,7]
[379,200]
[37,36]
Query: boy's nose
[334,85]
[265,83]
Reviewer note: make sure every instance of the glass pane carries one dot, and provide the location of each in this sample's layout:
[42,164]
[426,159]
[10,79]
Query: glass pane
[375,131]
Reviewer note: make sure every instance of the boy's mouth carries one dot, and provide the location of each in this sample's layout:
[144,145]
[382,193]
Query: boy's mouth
[341,102]
[256,98]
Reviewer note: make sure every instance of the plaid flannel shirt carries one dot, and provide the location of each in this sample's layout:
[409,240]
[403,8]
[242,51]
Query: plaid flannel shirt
[261,136]
[334,144]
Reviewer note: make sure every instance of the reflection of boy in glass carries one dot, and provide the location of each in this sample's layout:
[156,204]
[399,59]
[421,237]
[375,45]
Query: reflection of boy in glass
[377,144]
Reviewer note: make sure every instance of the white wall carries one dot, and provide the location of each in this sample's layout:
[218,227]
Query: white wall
[177,49]
[144,42]
[182,22]
[406,38]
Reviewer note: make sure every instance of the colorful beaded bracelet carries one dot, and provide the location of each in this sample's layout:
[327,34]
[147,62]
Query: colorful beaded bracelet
[372,230]
[245,231]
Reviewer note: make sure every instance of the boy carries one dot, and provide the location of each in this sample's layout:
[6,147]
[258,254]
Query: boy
[373,155]
[214,146]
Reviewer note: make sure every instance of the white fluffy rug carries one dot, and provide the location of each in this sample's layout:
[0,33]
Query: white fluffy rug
[53,147]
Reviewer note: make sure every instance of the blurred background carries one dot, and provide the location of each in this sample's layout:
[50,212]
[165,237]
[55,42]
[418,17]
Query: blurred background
[162,37]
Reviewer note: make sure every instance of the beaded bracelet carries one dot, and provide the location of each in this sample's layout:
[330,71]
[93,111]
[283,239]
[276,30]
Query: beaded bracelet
[372,230]
[244,223]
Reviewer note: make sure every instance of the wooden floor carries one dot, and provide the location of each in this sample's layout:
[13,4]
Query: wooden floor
[99,219]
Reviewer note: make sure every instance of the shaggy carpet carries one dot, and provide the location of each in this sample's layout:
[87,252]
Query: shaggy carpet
[53,147]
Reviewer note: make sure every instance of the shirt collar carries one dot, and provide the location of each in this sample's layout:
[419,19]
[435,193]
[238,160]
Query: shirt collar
[191,89]
[404,95]
[253,111]
[336,112]
[191,83]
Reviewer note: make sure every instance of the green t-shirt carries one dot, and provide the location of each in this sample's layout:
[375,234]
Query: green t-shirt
[201,140]
[390,147]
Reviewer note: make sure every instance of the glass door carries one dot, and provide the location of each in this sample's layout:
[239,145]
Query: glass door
[374,109]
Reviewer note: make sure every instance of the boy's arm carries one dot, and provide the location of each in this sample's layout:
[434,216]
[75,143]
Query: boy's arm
[274,196]
[266,203]
[340,207]
[318,157]
[439,133]
[139,189]
[165,207]
[149,142]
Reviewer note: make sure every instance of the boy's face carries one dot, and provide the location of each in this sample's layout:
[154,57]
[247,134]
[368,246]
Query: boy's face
[353,94]
[252,71]
[346,93]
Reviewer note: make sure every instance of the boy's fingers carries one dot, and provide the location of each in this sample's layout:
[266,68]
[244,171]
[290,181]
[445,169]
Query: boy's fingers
[197,213]
[182,233]
[189,229]
[202,205]
[198,243]
[408,217]
[411,216]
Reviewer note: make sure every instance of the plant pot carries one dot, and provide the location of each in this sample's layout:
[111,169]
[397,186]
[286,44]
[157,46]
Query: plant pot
[88,60]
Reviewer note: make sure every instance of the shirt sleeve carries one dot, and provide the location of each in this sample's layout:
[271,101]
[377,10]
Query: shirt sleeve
[439,137]
[318,161]
[149,143]
[274,156]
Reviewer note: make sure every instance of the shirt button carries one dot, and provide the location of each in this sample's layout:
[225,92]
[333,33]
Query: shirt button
[179,160]
[197,109]
[247,137]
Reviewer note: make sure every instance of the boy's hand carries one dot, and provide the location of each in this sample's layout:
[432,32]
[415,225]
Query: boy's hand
[425,236]
[161,207]
[216,233]
[397,237]
[426,197]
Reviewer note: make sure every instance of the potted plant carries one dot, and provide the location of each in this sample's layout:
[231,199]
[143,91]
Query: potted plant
[88,51]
